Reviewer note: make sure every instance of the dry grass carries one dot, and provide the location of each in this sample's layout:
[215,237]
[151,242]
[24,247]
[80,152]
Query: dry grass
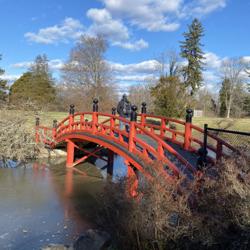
[212,212]
[17,137]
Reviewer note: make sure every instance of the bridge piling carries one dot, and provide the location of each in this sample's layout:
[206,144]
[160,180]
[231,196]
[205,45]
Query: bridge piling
[70,154]
[54,129]
[71,116]
[37,130]
[110,165]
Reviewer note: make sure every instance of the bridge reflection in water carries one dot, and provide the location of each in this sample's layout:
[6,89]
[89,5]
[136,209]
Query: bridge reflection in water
[46,203]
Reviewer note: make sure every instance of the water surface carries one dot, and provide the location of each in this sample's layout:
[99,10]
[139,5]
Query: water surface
[45,203]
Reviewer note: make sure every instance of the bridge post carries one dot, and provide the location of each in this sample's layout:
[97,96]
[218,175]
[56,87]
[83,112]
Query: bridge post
[112,122]
[71,115]
[94,116]
[188,129]
[143,113]
[70,153]
[54,129]
[132,130]
[37,129]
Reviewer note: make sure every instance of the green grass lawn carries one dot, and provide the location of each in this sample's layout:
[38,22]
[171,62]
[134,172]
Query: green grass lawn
[215,122]
[46,119]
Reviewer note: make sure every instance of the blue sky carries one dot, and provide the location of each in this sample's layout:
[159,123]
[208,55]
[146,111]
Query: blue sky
[137,31]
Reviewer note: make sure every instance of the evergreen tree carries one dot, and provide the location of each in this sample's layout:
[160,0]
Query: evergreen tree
[3,87]
[192,52]
[224,97]
[170,97]
[36,85]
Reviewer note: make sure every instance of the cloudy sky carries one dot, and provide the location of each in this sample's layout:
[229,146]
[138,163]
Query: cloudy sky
[137,31]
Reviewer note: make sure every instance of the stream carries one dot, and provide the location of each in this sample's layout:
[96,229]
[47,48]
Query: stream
[43,202]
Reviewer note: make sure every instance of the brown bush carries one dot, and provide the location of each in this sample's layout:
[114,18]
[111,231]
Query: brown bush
[17,137]
[212,212]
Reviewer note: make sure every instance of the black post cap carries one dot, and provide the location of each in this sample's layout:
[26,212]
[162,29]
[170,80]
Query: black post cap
[37,121]
[144,108]
[113,111]
[72,109]
[95,105]
[189,115]
[133,117]
[54,123]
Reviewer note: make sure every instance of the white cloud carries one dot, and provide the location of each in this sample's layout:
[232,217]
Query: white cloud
[70,29]
[135,78]
[10,77]
[149,66]
[212,60]
[145,14]
[113,29]
[159,15]
[22,65]
[103,24]
[134,46]
[203,7]
[246,59]
[55,64]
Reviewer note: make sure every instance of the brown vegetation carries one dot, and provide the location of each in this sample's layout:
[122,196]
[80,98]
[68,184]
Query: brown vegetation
[17,138]
[212,212]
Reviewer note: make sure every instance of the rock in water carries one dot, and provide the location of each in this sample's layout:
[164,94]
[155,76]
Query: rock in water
[57,247]
[94,240]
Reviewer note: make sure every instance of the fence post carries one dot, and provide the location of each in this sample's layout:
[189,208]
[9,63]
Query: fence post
[143,113]
[112,122]
[132,129]
[37,129]
[188,129]
[219,150]
[204,155]
[54,129]
[94,115]
[113,111]
[71,115]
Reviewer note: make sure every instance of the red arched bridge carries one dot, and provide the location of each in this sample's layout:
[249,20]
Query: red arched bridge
[172,146]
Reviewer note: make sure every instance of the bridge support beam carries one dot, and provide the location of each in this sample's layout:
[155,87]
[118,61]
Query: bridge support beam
[70,153]
[110,165]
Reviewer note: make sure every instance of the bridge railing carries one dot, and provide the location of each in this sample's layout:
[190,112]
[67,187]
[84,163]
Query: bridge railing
[185,134]
[159,128]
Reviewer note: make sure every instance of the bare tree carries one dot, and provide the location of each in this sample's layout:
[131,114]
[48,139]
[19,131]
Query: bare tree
[206,101]
[169,63]
[142,93]
[87,67]
[233,70]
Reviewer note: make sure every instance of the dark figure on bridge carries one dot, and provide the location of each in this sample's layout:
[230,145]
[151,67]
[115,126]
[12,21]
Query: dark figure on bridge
[124,110]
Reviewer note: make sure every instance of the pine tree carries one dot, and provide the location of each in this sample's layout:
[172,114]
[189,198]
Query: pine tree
[224,97]
[192,52]
[3,87]
[170,96]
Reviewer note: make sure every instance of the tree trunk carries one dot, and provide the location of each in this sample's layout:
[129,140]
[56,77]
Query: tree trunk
[229,106]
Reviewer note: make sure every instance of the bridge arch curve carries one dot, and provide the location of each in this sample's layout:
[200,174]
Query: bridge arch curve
[114,147]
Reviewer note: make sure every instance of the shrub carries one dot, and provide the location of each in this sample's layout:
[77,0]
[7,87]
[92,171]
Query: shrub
[212,212]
